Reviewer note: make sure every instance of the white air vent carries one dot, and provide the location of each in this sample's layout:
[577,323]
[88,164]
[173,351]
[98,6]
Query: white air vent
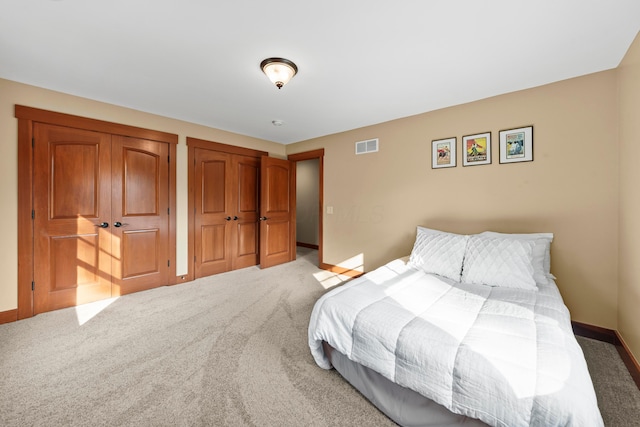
[368,146]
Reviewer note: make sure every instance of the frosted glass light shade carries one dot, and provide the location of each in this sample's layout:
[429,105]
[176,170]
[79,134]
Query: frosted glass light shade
[279,70]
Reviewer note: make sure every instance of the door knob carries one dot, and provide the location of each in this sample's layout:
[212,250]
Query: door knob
[235,218]
[228,218]
[103,225]
[263,218]
[119,224]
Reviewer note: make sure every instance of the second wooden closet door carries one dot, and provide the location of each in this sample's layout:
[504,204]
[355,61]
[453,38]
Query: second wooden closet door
[226,217]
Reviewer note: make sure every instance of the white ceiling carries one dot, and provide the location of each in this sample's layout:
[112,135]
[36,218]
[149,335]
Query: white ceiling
[360,62]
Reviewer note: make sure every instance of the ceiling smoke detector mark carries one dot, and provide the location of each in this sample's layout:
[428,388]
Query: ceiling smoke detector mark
[368,146]
[277,122]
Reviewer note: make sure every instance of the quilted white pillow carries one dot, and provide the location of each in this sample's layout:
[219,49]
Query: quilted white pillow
[497,261]
[541,252]
[438,252]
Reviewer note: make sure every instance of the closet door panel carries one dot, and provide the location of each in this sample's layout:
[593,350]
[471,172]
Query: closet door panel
[72,186]
[247,241]
[141,181]
[214,181]
[278,212]
[140,253]
[145,244]
[213,248]
[213,207]
[246,207]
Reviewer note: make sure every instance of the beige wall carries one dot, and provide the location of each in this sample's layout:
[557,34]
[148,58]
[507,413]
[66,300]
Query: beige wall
[570,189]
[12,93]
[629,290]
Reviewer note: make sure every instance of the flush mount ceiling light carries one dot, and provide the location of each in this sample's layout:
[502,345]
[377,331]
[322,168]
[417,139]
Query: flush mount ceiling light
[279,70]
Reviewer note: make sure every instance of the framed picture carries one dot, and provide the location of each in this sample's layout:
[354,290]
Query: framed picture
[443,153]
[516,145]
[476,149]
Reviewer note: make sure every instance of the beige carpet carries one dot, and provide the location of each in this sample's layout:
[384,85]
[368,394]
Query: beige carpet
[228,350]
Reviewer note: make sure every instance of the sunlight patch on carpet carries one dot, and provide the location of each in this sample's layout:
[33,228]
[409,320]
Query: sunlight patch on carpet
[87,312]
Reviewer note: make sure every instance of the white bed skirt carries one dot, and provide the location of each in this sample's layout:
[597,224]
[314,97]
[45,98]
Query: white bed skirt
[404,406]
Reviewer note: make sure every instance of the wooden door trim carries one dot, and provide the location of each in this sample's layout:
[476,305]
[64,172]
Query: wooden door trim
[225,148]
[192,144]
[25,222]
[310,155]
[173,211]
[27,116]
[77,122]
[191,207]
[307,155]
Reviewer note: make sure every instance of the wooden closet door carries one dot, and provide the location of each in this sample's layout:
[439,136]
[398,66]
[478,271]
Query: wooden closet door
[140,214]
[246,181]
[226,211]
[213,206]
[278,212]
[72,211]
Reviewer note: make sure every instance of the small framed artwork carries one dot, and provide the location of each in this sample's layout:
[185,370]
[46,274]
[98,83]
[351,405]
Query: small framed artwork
[443,153]
[476,149]
[516,145]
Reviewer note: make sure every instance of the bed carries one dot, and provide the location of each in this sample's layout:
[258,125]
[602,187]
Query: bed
[469,330]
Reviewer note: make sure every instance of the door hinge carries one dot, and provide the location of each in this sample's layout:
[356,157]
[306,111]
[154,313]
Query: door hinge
[168,211]
[168,159]
[33,142]
[168,263]
[33,285]
[33,214]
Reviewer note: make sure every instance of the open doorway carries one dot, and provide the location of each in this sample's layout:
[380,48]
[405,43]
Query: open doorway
[307,203]
[309,199]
